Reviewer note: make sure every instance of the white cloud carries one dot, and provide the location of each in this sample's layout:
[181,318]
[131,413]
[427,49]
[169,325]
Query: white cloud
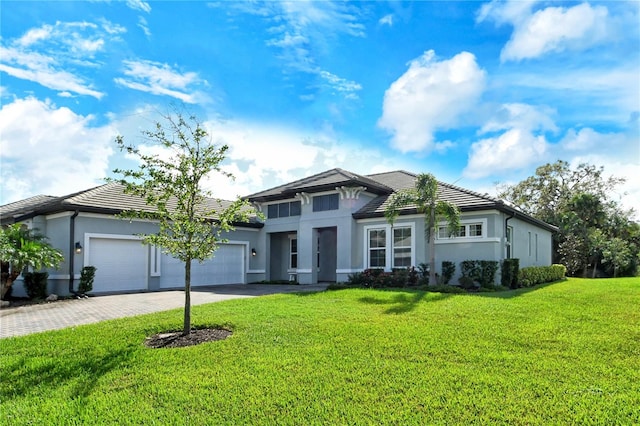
[140,5]
[521,116]
[42,70]
[45,55]
[512,150]
[144,26]
[303,30]
[519,145]
[161,79]
[430,96]
[386,20]
[50,150]
[553,29]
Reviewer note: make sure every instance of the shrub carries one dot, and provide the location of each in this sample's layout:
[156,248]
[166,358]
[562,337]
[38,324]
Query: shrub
[534,275]
[471,269]
[510,268]
[466,282]
[488,269]
[36,284]
[448,269]
[86,279]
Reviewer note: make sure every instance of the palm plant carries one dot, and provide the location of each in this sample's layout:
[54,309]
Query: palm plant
[22,248]
[424,198]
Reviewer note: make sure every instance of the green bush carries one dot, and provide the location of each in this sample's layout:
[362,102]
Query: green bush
[448,269]
[534,275]
[471,269]
[86,279]
[36,284]
[466,282]
[510,268]
[488,269]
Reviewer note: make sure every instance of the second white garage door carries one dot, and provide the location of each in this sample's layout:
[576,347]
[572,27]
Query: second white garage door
[226,267]
[121,264]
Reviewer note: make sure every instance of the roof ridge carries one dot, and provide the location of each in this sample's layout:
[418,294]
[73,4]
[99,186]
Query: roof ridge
[469,191]
[33,197]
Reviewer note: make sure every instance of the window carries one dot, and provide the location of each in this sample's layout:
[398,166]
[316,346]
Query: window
[377,248]
[293,253]
[401,247]
[509,241]
[475,230]
[467,230]
[323,203]
[283,209]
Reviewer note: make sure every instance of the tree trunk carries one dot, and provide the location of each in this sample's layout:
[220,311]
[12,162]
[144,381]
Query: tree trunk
[595,268]
[432,246]
[186,330]
[8,279]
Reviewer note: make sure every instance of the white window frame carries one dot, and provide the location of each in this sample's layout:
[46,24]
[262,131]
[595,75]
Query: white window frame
[411,246]
[466,223]
[389,246]
[291,253]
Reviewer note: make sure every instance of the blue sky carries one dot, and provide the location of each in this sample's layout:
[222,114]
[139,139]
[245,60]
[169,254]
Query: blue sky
[476,93]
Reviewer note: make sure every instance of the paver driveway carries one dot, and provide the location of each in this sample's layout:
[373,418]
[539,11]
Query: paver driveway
[18,321]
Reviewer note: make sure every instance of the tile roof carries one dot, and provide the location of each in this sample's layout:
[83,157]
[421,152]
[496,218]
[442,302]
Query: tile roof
[399,180]
[324,181]
[108,199]
[24,207]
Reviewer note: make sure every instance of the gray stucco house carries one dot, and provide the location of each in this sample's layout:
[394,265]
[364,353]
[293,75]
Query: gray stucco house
[318,229]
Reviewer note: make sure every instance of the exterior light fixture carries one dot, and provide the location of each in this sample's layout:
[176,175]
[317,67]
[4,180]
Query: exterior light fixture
[78,248]
[253,252]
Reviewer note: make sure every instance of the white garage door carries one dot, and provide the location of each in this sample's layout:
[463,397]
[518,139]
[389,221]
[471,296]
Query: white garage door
[226,267]
[121,264]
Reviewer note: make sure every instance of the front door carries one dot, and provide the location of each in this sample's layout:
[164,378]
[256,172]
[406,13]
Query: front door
[326,252]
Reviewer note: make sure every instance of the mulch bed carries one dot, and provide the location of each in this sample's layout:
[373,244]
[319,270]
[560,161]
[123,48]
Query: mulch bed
[177,340]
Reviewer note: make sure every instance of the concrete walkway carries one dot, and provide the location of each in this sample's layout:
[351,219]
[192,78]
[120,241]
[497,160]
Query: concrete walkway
[21,320]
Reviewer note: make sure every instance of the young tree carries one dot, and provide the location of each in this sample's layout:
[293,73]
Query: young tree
[191,224]
[22,248]
[424,197]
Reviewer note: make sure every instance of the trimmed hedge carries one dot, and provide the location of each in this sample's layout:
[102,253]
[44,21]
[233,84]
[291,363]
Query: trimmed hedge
[534,275]
[510,269]
[35,283]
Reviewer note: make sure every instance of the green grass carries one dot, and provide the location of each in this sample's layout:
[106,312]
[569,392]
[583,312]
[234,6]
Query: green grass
[565,353]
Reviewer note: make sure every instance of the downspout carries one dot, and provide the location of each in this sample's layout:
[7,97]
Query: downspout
[506,230]
[72,253]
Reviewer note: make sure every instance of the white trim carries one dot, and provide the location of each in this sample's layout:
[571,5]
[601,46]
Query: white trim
[62,276]
[256,271]
[381,220]
[467,238]
[304,271]
[58,215]
[388,242]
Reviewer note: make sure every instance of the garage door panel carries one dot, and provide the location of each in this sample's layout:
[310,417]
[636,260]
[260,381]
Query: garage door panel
[121,265]
[226,267]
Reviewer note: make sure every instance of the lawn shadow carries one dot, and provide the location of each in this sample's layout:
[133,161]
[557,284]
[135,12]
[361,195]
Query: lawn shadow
[405,301]
[22,376]
[510,294]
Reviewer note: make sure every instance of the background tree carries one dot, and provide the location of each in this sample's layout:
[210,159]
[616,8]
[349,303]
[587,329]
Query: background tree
[22,248]
[579,202]
[425,199]
[191,224]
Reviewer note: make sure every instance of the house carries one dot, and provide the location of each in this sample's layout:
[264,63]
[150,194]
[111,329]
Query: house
[317,229]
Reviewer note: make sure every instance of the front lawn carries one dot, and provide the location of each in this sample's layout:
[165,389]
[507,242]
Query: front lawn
[565,353]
